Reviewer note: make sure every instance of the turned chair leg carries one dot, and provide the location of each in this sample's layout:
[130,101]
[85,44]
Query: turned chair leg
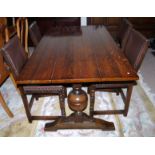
[5,107]
[127,102]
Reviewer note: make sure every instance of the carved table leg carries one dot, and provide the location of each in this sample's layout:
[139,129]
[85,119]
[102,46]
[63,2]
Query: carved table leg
[92,100]
[77,101]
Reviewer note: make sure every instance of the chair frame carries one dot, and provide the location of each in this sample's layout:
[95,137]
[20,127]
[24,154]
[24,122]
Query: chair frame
[57,90]
[111,87]
[36,91]
[4,74]
[5,106]
[117,87]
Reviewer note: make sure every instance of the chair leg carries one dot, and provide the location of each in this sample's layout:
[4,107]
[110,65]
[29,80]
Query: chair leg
[5,107]
[117,92]
[128,97]
[62,103]
[88,90]
[26,105]
[14,83]
[37,98]
[92,101]
[65,92]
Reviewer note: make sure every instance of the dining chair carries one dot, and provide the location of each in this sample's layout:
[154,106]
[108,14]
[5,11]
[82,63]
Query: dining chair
[135,51]
[4,74]
[124,31]
[35,33]
[16,58]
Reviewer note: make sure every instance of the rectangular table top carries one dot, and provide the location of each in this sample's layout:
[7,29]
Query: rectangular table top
[77,55]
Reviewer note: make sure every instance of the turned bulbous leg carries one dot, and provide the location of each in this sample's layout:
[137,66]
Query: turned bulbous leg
[77,99]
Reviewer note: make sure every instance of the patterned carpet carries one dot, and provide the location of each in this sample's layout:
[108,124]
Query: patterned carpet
[139,122]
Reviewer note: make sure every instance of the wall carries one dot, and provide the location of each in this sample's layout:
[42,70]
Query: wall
[83,21]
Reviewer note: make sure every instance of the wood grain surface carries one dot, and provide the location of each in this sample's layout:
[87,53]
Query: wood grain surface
[91,55]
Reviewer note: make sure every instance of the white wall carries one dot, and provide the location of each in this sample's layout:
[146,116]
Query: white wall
[83,21]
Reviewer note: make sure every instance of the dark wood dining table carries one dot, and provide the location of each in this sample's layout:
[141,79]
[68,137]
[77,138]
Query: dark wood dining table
[76,57]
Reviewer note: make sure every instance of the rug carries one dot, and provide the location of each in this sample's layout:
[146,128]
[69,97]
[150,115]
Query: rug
[18,125]
[139,122]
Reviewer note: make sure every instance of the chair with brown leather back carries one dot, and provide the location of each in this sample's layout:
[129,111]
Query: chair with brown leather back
[16,57]
[35,33]
[135,51]
[125,29]
[4,74]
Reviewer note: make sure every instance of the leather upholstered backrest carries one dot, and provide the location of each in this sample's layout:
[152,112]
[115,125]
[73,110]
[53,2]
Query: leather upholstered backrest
[136,48]
[14,55]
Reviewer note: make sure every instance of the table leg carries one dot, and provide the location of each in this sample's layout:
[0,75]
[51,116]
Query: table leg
[77,101]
